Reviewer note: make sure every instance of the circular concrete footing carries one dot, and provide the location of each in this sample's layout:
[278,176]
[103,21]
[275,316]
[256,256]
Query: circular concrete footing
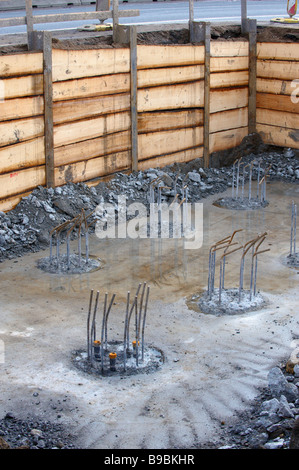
[240,203]
[228,304]
[153,359]
[74,265]
[292,261]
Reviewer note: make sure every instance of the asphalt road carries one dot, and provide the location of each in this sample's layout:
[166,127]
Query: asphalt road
[165,12]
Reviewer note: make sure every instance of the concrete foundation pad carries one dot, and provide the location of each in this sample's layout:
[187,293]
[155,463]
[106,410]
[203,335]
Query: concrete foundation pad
[214,365]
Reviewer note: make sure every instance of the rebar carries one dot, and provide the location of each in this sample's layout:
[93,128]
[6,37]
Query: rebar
[293,229]
[93,324]
[106,319]
[88,325]
[143,323]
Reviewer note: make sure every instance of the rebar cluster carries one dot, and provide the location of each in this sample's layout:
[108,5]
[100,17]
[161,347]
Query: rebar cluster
[227,246]
[81,223]
[293,230]
[240,172]
[98,349]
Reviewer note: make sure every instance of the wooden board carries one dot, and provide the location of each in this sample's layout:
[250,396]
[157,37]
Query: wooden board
[229,48]
[84,130]
[93,86]
[13,132]
[186,95]
[165,142]
[281,69]
[23,155]
[277,51]
[93,168]
[169,56]
[229,64]
[279,136]
[71,64]
[177,157]
[227,139]
[277,118]
[165,120]
[276,102]
[19,108]
[82,151]
[20,181]
[10,203]
[276,87]
[229,79]
[21,64]
[222,100]
[229,120]
[169,75]
[19,87]
[73,110]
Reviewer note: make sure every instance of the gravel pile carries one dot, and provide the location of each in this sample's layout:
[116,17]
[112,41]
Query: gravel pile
[273,420]
[27,227]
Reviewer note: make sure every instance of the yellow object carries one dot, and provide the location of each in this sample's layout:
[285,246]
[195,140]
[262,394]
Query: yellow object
[97,27]
[286,20]
[112,355]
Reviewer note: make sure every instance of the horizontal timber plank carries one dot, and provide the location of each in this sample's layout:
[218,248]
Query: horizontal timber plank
[169,75]
[19,108]
[82,151]
[229,64]
[19,87]
[92,86]
[91,128]
[23,155]
[21,64]
[277,118]
[229,79]
[186,95]
[227,139]
[13,132]
[229,48]
[72,110]
[10,203]
[20,181]
[93,168]
[276,87]
[283,70]
[276,102]
[222,100]
[279,136]
[165,120]
[71,64]
[231,119]
[177,157]
[277,51]
[160,143]
[149,56]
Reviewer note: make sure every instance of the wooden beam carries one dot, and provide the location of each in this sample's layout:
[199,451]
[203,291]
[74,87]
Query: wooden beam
[207,95]
[277,51]
[227,139]
[183,156]
[229,79]
[20,181]
[273,86]
[280,136]
[48,99]
[278,69]
[13,132]
[229,49]
[244,19]
[277,118]
[166,120]
[30,85]
[134,117]
[19,108]
[229,64]
[23,155]
[169,75]
[169,56]
[276,102]
[252,32]
[226,120]
[29,23]
[180,96]
[225,99]
[21,64]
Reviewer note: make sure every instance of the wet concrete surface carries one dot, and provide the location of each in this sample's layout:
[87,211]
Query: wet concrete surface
[214,365]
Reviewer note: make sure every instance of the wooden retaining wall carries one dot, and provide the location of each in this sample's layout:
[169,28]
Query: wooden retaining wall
[73,120]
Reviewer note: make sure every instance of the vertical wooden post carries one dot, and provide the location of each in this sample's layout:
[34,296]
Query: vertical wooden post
[102,5]
[252,31]
[115,17]
[48,111]
[207,80]
[29,22]
[244,20]
[134,112]
[191,20]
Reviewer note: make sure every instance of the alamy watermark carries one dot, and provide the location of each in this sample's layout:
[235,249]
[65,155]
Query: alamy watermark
[295,92]
[2,91]
[158,220]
